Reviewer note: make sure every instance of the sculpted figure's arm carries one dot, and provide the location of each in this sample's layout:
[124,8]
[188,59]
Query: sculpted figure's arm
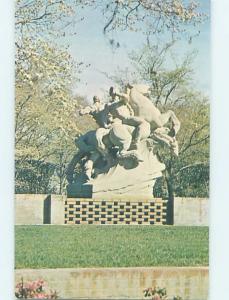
[122,96]
[126,99]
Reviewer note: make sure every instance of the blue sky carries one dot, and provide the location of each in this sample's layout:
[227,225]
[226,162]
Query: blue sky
[90,46]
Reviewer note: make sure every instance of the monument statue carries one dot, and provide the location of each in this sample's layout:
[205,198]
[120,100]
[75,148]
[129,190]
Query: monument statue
[119,158]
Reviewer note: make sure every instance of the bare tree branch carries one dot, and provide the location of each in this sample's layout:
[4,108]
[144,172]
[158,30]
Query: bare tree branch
[190,166]
[112,18]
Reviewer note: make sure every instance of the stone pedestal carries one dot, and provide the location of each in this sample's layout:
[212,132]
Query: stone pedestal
[123,179]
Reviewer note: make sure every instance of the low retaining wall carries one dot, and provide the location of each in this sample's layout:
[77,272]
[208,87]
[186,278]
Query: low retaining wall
[29,208]
[36,209]
[191,283]
[191,211]
[56,209]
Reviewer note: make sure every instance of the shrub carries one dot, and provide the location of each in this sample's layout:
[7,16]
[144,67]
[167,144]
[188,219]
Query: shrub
[157,293]
[33,290]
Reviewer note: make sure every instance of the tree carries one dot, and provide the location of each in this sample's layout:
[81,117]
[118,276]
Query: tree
[151,16]
[47,17]
[46,119]
[188,175]
[191,171]
[45,107]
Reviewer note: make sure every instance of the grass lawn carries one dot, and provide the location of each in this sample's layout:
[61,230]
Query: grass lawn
[110,246]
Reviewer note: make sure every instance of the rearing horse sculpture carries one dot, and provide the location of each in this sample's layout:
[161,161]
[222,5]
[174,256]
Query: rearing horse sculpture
[143,107]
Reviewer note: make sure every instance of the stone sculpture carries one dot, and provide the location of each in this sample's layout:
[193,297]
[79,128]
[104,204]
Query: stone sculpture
[119,157]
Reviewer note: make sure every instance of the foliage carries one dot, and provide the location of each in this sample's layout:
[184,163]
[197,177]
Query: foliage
[168,76]
[47,17]
[45,109]
[34,176]
[157,293]
[44,75]
[121,246]
[191,170]
[33,290]
[188,174]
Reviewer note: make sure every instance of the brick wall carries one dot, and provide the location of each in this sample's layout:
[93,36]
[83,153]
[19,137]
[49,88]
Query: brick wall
[86,211]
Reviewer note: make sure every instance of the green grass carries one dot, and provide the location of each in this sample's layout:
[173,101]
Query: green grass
[110,246]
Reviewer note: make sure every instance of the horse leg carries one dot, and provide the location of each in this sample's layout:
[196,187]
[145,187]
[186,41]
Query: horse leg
[170,115]
[162,135]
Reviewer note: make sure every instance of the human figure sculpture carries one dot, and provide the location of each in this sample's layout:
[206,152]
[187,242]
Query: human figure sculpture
[99,113]
[87,146]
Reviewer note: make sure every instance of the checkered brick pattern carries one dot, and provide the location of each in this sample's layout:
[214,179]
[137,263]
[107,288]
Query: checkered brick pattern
[88,211]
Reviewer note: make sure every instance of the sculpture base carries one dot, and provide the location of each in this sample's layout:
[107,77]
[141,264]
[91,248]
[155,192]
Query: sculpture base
[79,190]
[122,179]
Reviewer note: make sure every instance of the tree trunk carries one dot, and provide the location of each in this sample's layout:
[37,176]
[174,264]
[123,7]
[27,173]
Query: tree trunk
[170,204]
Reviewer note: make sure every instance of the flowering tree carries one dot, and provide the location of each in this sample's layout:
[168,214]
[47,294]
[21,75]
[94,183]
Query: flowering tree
[45,108]
[151,16]
[47,17]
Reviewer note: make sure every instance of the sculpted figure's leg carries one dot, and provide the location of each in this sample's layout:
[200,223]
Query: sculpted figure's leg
[88,167]
[100,133]
[142,129]
[124,148]
[120,137]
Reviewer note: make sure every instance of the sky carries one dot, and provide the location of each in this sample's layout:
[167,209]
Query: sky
[92,47]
